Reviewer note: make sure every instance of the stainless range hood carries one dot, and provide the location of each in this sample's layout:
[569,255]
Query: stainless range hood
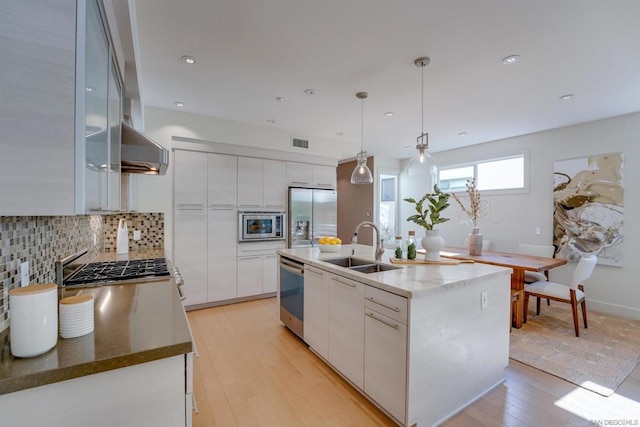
[139,154]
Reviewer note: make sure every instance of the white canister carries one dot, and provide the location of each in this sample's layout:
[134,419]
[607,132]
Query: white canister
[33,322]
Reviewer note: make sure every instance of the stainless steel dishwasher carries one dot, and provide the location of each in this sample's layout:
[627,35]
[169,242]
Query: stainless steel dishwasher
[292,295]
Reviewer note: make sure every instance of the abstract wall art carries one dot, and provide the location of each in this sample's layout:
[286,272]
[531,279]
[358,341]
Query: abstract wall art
[588,217]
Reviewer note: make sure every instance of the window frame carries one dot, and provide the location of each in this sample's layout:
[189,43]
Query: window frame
[524,153]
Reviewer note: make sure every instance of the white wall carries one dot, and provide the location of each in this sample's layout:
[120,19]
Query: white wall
[513,218]
[154,193]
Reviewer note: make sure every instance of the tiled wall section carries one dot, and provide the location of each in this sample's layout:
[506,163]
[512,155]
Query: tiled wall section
[41,240]
[151,227]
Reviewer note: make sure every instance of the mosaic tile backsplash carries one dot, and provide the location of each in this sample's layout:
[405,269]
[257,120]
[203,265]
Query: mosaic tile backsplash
[41,240]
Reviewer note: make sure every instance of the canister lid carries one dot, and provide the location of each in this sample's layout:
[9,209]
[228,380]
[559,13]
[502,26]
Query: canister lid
[76,299]
[33,289]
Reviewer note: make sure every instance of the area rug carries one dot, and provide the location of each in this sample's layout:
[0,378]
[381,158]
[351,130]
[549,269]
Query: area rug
[599,360]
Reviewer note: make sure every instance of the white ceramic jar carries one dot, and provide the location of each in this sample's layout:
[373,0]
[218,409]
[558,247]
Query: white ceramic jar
[33,322]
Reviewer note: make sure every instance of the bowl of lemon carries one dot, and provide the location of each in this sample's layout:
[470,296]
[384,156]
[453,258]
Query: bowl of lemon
[329,244]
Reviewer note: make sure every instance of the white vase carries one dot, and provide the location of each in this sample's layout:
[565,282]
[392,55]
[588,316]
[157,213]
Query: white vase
[475,242]
[432,243]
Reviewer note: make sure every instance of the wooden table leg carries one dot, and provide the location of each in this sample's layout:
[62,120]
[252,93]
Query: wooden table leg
[517,284]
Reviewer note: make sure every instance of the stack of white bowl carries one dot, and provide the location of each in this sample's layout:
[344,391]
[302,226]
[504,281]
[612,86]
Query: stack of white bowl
[76,316]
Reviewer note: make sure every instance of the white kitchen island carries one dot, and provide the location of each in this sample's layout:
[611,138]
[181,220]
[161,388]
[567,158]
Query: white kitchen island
[418,341]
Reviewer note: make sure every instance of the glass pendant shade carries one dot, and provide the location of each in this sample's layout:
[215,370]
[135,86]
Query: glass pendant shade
[362,174]
[422,164]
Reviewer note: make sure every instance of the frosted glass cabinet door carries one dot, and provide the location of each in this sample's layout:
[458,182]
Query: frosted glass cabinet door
[96,110]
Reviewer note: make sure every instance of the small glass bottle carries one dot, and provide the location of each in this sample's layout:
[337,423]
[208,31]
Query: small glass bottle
[411,245]
[399,249]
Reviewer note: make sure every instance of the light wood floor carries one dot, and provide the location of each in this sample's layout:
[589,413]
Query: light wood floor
[253,372]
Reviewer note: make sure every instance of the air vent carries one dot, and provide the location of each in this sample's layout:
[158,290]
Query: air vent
[300,143]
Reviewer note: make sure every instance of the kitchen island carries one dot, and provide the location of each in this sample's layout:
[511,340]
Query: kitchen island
[421,341]
[129,371]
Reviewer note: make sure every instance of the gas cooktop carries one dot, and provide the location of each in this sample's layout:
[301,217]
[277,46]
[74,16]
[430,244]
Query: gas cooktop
[96,272]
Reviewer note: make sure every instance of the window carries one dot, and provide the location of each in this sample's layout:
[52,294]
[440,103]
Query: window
[504,173]
[388,207]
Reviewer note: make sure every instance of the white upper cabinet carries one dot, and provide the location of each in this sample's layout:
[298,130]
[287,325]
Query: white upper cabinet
[223,181]
[249,182]
[324,176]
[37,77]
[274,185]
[306,175]
[61,149]
[299,174]
[190,179]
[261,184]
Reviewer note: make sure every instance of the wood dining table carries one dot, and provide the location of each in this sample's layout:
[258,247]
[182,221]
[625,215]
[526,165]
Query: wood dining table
[518,262]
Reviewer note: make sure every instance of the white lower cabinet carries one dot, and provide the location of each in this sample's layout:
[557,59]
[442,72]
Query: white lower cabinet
[190,251]
[385,362]
[249,276]
[316,310]
[269,273]
[222,254]
[346,328]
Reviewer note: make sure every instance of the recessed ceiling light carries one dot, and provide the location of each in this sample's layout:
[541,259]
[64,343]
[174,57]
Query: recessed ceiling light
[89,88]
[280,98]
[339,133]
[189,59]
[389,113]
[179,104]
[271,121]
[310,91]
[511,59]
[462,134]
[566,97]
[408,147]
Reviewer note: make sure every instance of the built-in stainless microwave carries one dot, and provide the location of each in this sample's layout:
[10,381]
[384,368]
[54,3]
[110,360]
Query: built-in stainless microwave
[256,226]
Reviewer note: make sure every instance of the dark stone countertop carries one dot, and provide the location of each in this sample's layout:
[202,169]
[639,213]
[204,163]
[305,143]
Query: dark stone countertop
[134,323]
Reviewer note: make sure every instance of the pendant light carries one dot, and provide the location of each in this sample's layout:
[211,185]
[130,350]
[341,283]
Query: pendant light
[362,174]
[422,164]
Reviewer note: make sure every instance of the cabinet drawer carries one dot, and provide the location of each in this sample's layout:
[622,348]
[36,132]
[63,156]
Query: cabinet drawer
[384,302]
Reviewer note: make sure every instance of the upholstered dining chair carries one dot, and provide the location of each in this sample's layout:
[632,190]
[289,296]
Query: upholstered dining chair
[536,250]
[572,294]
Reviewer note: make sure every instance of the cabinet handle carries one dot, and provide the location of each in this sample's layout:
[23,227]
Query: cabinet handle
[396,309]
[250,206]
[227,206]
[274,206]
[249,257]
[299,182]
[314,271]
[324,185]
[391,325]
[344,283]
[190,206]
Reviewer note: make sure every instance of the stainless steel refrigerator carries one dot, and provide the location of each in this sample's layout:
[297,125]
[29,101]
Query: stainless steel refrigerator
[313,213]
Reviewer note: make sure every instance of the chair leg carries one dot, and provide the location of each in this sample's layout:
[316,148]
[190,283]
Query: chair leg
[548,302]
[574,309]
[537,306]
[584,307]
[526,307]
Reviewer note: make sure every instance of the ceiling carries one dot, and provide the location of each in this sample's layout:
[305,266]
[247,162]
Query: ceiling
[249,52]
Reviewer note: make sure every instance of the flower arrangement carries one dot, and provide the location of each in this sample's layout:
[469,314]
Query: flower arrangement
[476,208]
[427,218]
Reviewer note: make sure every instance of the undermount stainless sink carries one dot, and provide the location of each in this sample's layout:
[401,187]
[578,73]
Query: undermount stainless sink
[362,265]
[349,261]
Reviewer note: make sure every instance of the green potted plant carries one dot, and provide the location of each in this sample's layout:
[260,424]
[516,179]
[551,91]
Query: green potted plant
[428,217]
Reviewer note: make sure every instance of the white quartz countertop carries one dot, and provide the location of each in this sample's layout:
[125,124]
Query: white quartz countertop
[410,281]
